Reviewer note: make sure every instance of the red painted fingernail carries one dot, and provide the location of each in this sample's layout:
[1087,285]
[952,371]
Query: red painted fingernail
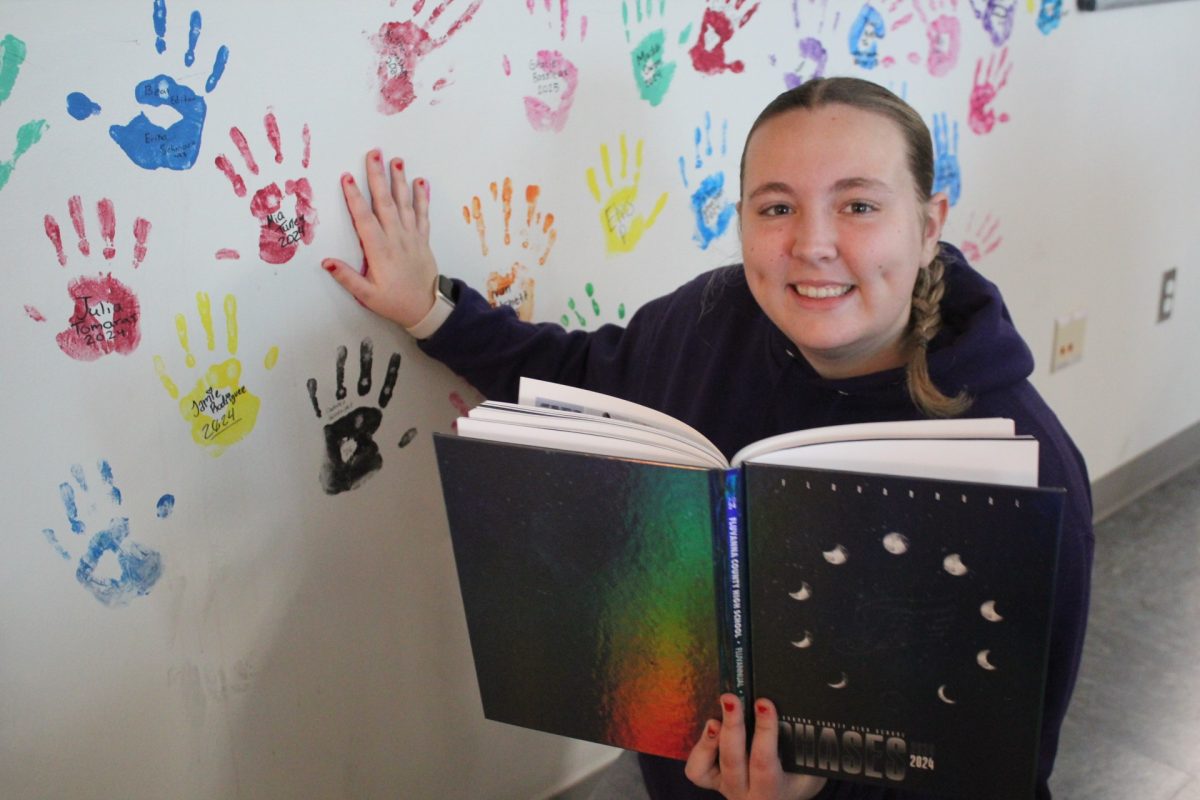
[761,708]
[328,266]
[399,163]
[376,155]
[348,178]
[710,731]
[728,706]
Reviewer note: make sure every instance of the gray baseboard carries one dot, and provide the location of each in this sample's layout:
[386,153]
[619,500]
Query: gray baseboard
[1134,478]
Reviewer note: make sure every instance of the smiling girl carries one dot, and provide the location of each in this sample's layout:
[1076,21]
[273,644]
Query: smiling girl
[847,308]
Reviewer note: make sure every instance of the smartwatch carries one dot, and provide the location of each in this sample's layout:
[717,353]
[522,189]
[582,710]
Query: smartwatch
[445,293]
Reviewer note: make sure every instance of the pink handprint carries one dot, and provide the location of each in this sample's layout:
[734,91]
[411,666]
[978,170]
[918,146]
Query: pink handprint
[564,15]
[716,28]
[982,240]
[982,118]
[555,79]
[280,235]
[401,47]
[944,34]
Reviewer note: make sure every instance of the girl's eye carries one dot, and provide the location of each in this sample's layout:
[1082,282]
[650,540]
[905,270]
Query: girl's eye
[776,210]
[859,207]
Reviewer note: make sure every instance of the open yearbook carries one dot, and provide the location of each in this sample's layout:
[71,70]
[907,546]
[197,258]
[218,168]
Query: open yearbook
[887,585]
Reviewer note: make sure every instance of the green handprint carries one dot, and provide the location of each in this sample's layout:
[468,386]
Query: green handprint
[573,307]
[12,55]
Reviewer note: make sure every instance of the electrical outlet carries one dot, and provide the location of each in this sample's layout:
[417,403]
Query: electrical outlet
[1068,340]
[1166,295]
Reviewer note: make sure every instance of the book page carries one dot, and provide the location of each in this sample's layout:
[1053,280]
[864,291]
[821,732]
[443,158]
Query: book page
[553,419]
[1010,462]
[545,394]
[988,427]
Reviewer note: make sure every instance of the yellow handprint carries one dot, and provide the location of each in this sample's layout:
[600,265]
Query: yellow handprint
[623,226]
[219,409]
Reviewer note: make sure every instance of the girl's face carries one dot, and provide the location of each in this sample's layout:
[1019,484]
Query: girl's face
[833,235]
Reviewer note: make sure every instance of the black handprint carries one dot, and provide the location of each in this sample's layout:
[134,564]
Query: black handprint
[351,454]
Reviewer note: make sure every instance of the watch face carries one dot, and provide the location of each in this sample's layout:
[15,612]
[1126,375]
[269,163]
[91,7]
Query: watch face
[446,288]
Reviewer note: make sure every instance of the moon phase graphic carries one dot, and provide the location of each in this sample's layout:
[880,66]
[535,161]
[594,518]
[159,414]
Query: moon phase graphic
[805,642]
[988,610]
[836,556]
[840,684]
[942,695]
[954,565]
[982,660]
[804,592]
[895,543]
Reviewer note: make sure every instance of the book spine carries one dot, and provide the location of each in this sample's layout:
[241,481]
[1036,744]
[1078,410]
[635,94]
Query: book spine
[731,583]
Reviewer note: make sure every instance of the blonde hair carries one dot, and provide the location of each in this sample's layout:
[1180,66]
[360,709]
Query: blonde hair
[925,319]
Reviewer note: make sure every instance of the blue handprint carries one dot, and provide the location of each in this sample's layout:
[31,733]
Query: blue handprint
[148,145]
[1049,16]
[140,567]
[867,27]
[712,209]
[946,175]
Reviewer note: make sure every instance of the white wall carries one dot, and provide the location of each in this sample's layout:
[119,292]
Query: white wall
[303,644]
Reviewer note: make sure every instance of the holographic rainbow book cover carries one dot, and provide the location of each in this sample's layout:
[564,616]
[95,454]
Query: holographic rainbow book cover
[900,625]
[588,585]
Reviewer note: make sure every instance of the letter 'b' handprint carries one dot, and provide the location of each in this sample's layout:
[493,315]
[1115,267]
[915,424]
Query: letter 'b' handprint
[148,145]
[351,454]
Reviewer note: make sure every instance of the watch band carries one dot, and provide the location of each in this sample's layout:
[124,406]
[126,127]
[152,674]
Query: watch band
[445,292]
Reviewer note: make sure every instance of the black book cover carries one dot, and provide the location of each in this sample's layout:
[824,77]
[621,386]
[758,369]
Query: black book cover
[900,625]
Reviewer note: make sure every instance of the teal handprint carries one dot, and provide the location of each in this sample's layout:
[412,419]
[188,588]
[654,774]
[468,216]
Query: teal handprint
[12,55]
[651,73]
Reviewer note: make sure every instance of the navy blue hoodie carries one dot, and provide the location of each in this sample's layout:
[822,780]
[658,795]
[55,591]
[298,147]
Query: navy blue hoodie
[707,355]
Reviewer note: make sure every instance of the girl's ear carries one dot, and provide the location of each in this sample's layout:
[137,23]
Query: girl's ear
[936,210]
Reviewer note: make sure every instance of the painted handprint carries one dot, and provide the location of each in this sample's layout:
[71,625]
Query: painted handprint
[867,29]
[946,175]
[105,313]
[280,233]
[1049,16]
[351,454]
[813,55]
[554,82]
[720,22]
[511,285]
[147,144]
[981,240]
[574,315]
[623,225]
[981,117]
[113,569]
[401,46]
[557,17]
[219,410]
[12,56]
[997,17]
[944,35]
[652,74]
[711,207]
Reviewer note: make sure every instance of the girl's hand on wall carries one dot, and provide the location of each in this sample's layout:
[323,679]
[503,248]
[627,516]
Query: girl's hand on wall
[399,273]
[719,760]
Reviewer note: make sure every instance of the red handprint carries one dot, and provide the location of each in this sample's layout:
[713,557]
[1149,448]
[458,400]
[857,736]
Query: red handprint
[402,45]
[717,28]
[280,235]
[982,118]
